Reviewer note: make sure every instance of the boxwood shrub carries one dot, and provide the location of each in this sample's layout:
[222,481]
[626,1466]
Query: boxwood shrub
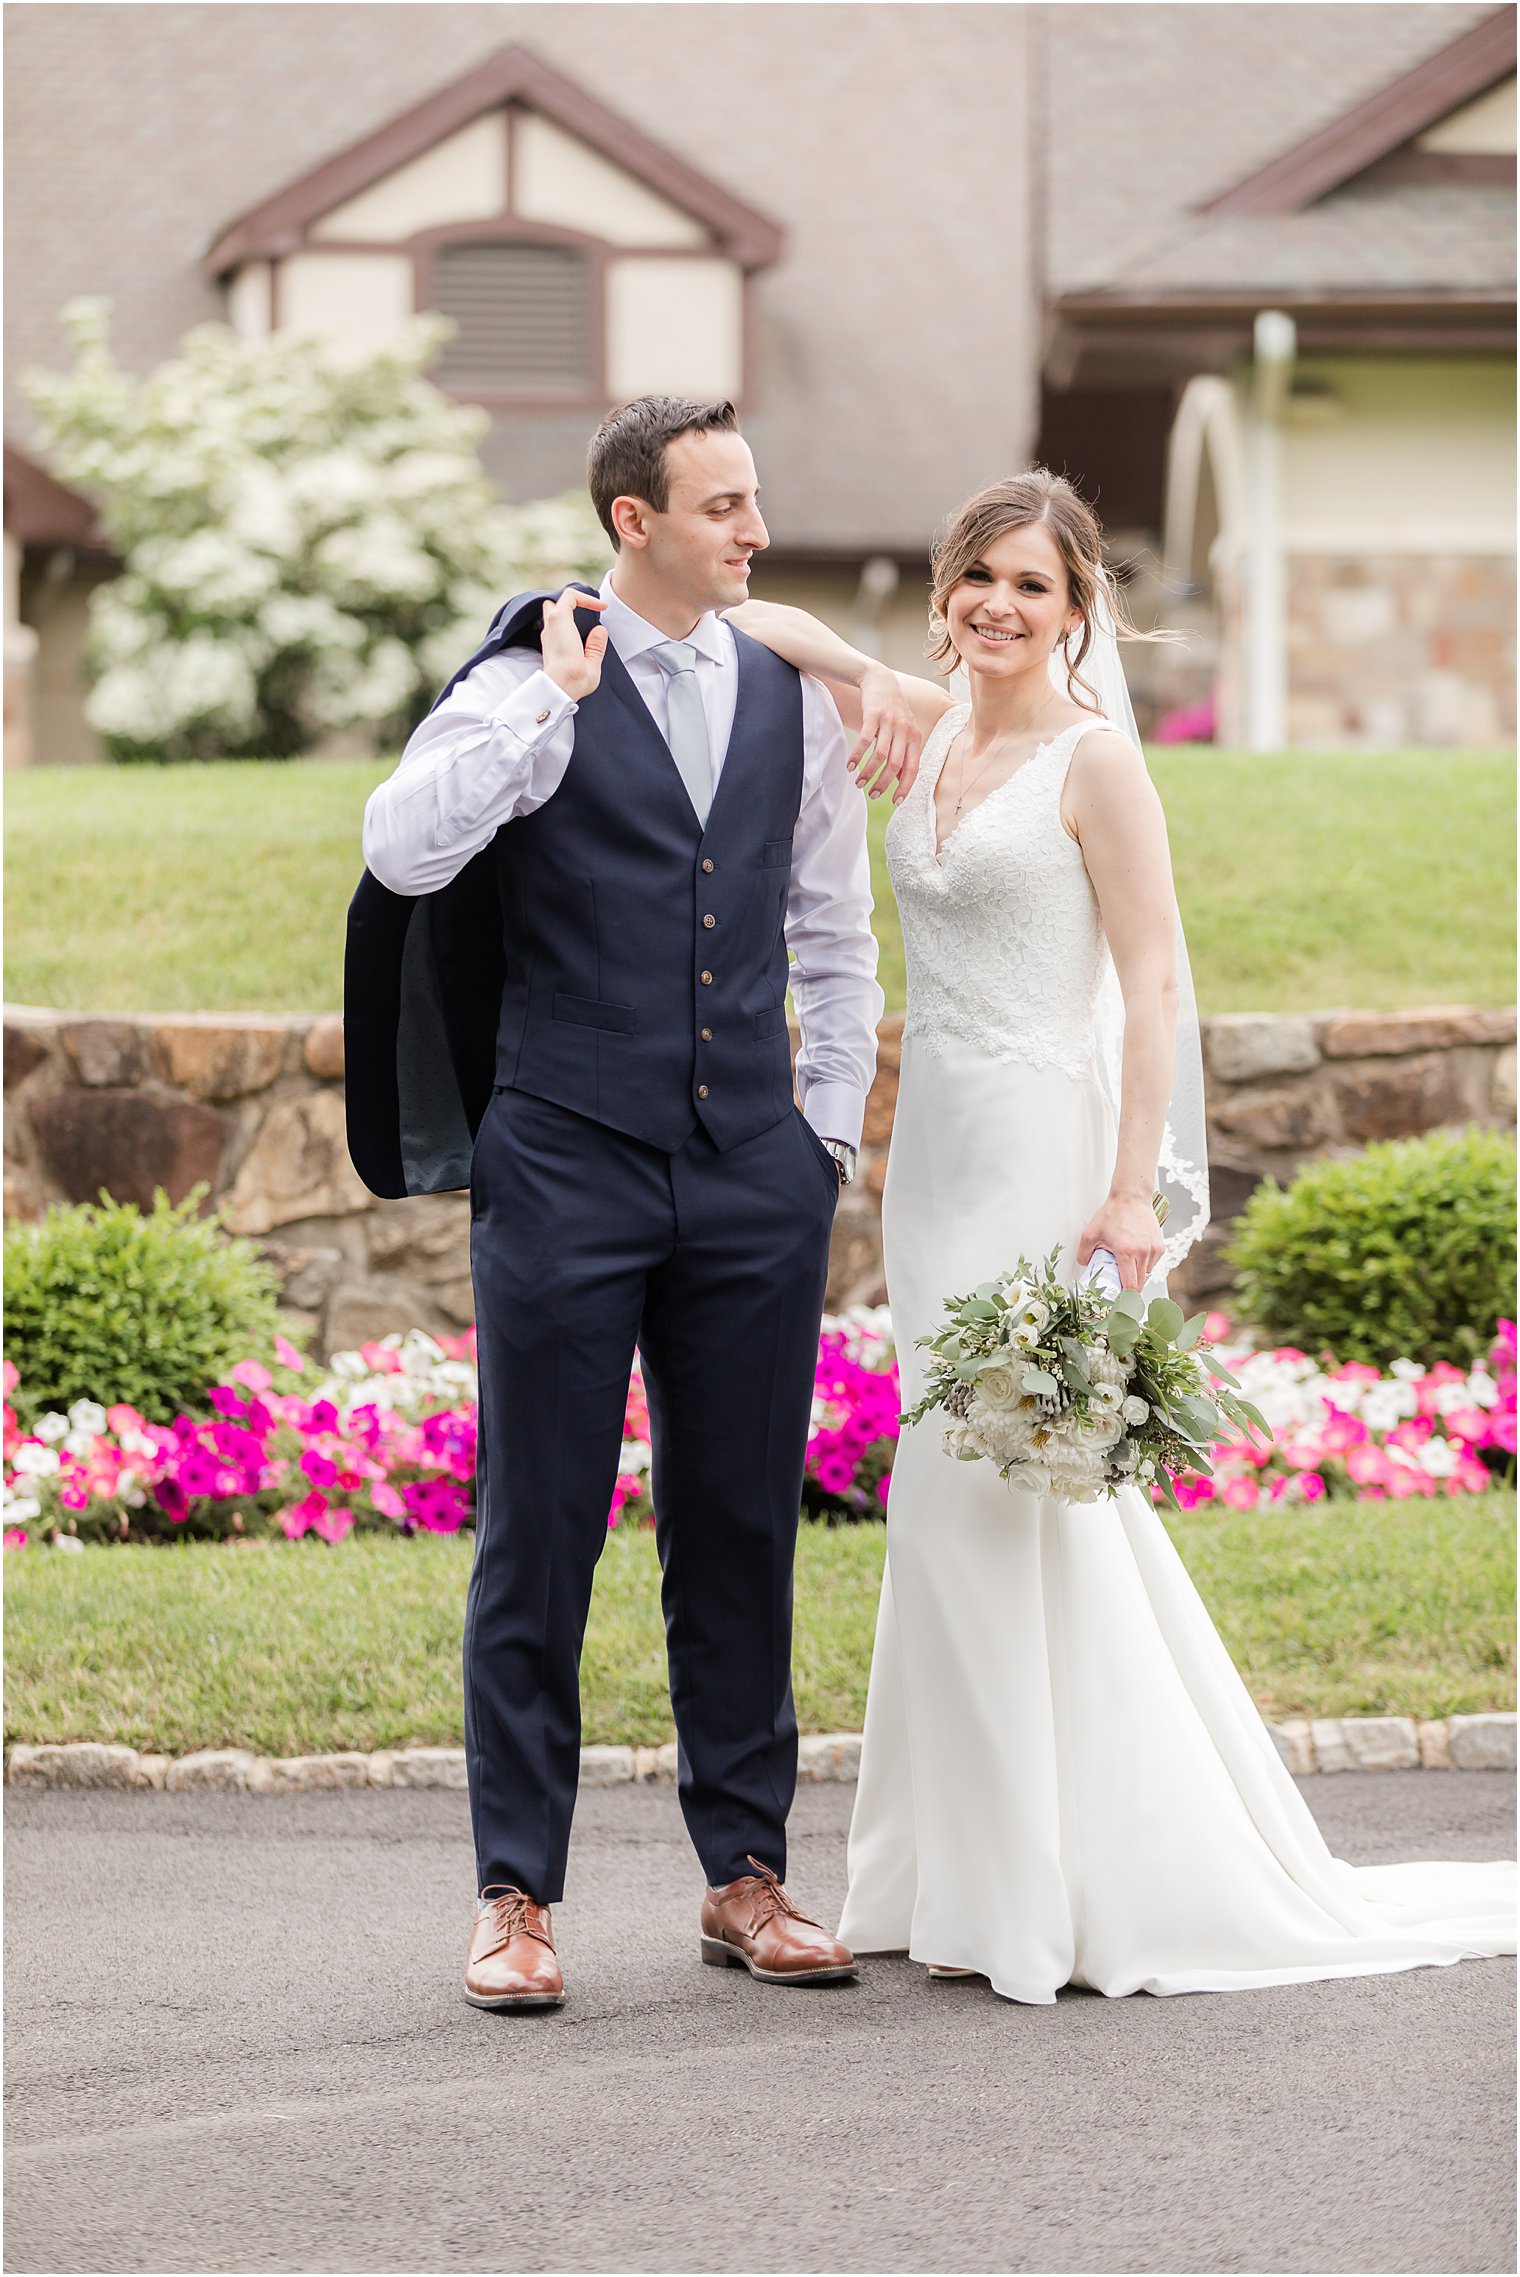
[107,1303]
[1406,1250]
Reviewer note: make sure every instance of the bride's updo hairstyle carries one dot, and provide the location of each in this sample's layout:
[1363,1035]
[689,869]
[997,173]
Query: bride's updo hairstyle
[1036,496]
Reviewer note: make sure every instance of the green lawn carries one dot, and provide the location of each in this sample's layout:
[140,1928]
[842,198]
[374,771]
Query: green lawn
[1307,881]
[1358,1609]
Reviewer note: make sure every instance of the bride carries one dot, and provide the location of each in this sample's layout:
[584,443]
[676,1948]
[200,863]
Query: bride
[1063,1778]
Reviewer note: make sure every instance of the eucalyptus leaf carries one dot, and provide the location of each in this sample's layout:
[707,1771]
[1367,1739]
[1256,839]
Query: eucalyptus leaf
[978,1309]
[1164,1317]
[1038,1381]
[1130,1304]
[1190,1331]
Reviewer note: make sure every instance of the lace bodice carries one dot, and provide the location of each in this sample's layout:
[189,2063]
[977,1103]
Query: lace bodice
[1001,929]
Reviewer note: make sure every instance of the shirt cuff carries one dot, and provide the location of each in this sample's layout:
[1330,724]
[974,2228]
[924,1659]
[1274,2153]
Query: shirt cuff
[836,1111]
[533,711]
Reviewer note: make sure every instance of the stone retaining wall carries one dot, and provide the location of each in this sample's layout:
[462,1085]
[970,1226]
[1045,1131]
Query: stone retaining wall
[252,1103]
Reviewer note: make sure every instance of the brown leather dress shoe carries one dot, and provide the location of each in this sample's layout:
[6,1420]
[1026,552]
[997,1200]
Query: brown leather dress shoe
[752,1924]
[512,1962]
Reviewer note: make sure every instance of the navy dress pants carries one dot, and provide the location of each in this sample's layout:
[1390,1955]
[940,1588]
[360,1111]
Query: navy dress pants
[585,1244]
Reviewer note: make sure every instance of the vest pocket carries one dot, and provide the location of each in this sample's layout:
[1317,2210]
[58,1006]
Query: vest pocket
[770,1023]
[777,855]
[585,1012]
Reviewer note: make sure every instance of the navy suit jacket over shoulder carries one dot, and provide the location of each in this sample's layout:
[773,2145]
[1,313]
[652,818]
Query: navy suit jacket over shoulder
[422,986]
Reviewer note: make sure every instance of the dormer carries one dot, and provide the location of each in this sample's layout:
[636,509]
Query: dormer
[1450,119]
[581,262]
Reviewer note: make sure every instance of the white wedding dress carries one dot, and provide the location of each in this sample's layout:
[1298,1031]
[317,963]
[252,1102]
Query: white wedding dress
[1063,1780]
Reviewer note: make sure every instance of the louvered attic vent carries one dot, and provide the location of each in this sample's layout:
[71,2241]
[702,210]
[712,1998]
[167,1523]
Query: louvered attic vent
[524,317]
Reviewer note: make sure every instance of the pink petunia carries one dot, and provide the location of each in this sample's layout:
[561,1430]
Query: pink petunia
[1368,1465]
[288,1357]
[1241,1493]
[1342,1433]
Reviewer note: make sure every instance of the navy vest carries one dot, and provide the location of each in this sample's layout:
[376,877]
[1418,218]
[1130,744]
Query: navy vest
[608,952]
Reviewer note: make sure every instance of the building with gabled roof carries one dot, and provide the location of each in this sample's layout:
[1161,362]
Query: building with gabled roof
[1247,273]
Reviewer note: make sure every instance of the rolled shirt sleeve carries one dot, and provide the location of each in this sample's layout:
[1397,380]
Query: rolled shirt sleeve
[496,748]
[828,930]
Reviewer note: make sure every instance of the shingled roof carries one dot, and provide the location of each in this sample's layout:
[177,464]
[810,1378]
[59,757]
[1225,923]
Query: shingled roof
[938,171]
[1225,150]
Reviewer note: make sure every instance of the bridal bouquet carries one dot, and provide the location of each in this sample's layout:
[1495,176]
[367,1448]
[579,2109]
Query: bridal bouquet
[1075,1393]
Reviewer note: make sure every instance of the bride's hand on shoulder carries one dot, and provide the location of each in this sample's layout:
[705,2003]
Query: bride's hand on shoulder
[889,713]
[886,752]
[1125,1226]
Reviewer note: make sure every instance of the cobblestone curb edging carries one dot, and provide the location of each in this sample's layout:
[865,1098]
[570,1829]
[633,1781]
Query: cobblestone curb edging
[1342,1743]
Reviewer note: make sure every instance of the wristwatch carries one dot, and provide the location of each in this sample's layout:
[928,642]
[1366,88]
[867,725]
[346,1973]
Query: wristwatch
[846,1156]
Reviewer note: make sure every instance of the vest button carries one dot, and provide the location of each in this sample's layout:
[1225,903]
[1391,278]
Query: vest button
[706,979]
[707,1035]
[709,921]
[707,865]
[701,1090]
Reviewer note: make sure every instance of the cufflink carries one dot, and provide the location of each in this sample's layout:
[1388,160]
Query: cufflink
[543,715]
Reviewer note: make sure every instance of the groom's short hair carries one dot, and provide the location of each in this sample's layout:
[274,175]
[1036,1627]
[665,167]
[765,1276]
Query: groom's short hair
[626,455]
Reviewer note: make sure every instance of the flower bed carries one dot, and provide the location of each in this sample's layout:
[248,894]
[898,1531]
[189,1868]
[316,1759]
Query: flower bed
[1351,1430]
[385,1439]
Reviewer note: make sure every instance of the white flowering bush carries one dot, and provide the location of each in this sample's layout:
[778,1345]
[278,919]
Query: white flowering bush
[310,543]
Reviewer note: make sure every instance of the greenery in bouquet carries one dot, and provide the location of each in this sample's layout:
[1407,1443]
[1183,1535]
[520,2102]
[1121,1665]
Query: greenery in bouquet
[1073,1393]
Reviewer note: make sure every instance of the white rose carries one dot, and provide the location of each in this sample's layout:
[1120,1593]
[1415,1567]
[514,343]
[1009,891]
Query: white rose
[1135,1410]
[1000,1386]
[1108,1398]
[1100,1430]
[1030,1478]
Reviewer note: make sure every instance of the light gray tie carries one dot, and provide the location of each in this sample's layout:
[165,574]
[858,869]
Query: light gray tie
[687,733]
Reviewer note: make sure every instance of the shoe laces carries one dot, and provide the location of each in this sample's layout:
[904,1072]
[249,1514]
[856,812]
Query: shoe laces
[771,1898]
[512,1914]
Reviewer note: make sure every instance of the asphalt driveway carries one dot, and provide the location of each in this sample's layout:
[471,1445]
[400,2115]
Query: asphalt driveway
[236,2042]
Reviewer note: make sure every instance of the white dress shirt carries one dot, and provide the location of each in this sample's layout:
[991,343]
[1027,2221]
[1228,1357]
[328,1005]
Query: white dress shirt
[498,748]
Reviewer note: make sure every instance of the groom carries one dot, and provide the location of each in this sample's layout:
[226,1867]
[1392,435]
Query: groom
[566,981]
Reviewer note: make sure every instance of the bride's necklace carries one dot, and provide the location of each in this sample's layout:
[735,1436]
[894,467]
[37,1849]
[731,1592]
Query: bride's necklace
[997,745]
